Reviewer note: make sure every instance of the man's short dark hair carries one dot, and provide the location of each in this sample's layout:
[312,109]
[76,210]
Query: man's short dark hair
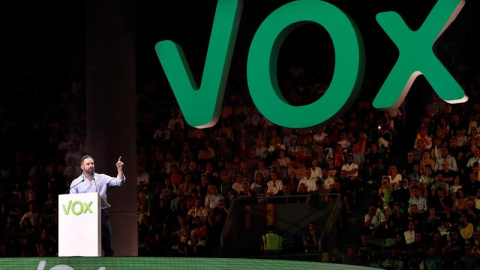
[83,158]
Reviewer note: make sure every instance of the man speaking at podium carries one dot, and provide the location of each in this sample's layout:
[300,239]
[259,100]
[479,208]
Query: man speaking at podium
[89,182]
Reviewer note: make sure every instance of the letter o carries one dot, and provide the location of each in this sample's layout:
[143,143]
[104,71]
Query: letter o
[81,208]
[262,64]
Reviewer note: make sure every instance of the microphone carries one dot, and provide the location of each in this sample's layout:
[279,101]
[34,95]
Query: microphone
[68,190]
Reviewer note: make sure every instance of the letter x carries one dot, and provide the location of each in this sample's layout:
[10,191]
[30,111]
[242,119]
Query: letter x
[417,56]
[87,207]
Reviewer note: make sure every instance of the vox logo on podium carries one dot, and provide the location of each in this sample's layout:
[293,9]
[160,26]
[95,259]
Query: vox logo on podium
[77,207]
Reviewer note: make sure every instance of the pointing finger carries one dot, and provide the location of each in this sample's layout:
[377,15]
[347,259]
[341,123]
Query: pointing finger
[120,158]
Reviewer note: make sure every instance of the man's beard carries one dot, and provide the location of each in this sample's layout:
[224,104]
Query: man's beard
[91,171]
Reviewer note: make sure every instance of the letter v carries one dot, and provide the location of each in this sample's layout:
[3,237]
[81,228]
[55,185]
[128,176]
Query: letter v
[201,106]
[65,209]
[417,56]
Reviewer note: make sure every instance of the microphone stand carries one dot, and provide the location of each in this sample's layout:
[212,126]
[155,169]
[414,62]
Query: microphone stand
[68,190]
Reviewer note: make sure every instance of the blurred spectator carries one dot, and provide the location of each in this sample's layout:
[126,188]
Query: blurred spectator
[274,186]
[143,177]
[311,238]
[375,222]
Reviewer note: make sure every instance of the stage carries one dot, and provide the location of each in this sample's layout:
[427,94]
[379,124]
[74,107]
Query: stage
[149,263]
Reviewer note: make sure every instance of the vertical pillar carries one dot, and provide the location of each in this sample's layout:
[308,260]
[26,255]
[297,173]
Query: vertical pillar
[111,109]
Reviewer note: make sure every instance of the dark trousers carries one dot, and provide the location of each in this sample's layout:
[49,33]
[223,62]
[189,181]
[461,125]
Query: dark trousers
[106,234]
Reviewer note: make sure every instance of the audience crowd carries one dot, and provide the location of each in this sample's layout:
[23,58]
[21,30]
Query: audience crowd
[428,198]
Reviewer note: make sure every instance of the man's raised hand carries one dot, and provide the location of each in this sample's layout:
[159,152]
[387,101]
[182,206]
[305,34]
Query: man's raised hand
[120,163]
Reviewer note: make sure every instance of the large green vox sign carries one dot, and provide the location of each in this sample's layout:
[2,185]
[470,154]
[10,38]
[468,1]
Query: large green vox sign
[201,105]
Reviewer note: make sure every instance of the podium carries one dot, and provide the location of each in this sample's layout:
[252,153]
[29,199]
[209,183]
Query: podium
[79,225]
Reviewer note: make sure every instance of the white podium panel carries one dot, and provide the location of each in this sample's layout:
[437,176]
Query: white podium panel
[79,225]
